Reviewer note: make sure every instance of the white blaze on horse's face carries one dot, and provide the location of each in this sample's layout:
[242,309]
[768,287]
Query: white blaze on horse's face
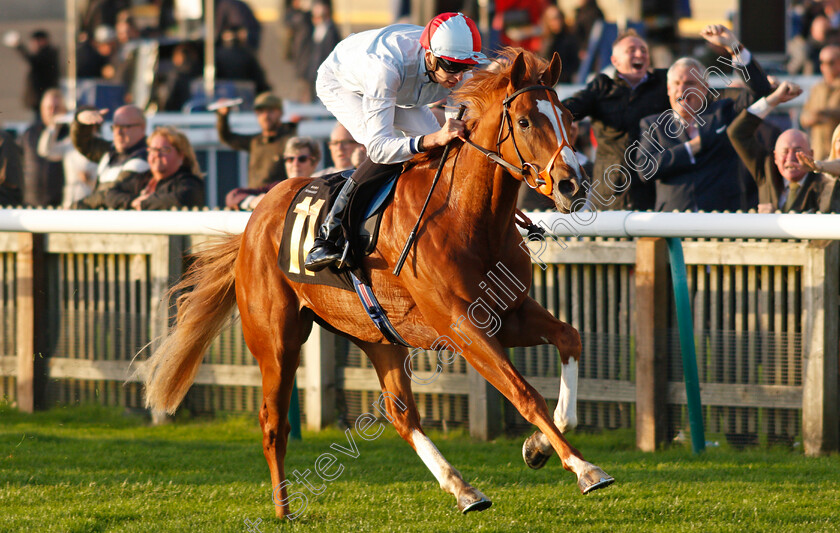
[552,112]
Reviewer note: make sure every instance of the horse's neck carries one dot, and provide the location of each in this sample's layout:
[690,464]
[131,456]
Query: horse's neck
[481,193]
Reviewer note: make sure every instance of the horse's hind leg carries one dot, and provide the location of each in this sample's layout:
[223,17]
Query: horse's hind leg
[274,331]
[389,362]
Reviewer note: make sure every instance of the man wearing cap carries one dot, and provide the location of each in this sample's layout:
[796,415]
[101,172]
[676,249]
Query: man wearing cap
[265,149]
[378,84]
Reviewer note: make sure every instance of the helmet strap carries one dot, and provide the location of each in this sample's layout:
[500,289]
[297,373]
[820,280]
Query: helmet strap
[430,61]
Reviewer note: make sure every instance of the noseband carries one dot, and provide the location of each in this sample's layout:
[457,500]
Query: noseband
[539,180]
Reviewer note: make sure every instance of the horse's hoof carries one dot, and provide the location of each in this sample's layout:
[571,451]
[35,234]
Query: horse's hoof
[473,500]
[594,479]
[534,452]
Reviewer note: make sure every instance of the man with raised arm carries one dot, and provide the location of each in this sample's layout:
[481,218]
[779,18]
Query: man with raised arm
[784,184]
[616,106]
[125,157]
[685,150]
[378,84]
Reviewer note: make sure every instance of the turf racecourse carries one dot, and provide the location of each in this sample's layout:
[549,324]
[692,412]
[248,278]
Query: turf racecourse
[95,469]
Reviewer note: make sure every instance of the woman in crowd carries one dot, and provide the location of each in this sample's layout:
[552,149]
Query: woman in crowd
[301,157]
[173,180]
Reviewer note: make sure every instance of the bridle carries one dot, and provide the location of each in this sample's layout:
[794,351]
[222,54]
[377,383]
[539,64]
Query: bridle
[539,180]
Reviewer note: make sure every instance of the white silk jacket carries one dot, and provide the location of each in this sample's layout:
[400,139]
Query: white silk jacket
[375,84]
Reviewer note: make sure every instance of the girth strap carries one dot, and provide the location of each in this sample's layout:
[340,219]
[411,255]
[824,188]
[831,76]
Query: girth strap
[376,312]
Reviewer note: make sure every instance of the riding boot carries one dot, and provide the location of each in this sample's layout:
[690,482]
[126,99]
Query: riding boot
[327,250]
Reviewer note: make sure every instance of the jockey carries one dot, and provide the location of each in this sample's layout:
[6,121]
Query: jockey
[378,84]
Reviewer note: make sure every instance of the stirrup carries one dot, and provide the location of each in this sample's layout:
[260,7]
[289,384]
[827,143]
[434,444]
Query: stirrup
[344,262]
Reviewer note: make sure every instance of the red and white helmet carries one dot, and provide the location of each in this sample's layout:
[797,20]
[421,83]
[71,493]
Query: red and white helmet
[454,37]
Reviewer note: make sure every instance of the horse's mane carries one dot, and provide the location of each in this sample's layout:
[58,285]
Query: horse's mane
[483,93]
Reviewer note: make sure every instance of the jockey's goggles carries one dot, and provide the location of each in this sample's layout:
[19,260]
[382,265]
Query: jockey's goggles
[453,67]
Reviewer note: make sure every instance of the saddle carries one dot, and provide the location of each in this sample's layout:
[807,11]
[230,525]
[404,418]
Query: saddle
[361,227]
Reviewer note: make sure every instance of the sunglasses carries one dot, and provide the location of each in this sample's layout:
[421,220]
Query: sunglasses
[165,150]
[452,67]
[299,158]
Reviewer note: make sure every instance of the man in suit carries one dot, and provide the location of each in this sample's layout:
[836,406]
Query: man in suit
[616,106]
[685,150]
[783,182]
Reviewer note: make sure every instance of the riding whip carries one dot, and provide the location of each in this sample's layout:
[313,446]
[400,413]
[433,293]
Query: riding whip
[413,234]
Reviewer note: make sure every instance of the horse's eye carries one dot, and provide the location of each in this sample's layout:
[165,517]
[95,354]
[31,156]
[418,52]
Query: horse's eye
[523,123]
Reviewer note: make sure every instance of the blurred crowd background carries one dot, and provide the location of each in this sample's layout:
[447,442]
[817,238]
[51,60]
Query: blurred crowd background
[154,54]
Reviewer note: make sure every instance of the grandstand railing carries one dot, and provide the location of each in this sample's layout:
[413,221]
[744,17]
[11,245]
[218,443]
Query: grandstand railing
[765,319]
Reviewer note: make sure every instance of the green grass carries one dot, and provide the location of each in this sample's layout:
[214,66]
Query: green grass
[95,469]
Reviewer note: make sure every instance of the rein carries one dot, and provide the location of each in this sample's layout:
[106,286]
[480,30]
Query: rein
[540,180]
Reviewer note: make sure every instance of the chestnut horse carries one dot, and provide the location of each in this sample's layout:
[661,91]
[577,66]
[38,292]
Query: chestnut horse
[467,231]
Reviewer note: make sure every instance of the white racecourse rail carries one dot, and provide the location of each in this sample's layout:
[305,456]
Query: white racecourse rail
[582,224]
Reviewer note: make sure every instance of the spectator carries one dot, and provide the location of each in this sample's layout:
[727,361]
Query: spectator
[236,14]
[586,15]
[94,58]
[235,61]
[783,182]
[126,54]
[300,157]
[686,151]
[173,180]
[11,171]
[101,13]
[616,106]
[54,144]
[116,160]
[43,178]
[265,148]
[324,38]
[172,85]
[829,166]
[342,148]
[821,112]
[298,42]
[519,23]
[43,73]
[557,37]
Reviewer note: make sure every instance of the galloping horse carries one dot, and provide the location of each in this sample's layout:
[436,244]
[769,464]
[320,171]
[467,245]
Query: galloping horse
[468,230]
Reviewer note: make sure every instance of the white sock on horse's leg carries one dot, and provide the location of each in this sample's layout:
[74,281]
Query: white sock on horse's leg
[565,415]
[449,478]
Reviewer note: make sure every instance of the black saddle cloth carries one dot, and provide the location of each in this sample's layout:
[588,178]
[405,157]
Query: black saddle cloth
[306,214]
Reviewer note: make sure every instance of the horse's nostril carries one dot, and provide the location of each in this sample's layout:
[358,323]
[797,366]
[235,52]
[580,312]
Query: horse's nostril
[566,187]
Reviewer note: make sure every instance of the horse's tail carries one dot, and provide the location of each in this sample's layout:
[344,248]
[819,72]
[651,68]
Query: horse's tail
[206,300]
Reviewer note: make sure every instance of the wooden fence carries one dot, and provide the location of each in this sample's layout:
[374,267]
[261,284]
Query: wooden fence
[765,312]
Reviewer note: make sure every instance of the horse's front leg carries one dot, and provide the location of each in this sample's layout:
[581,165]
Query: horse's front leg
[532,325]
[389,361]
[487,355]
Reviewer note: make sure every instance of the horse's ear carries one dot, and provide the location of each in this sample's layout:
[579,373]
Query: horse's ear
[517,72]
[552,73]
